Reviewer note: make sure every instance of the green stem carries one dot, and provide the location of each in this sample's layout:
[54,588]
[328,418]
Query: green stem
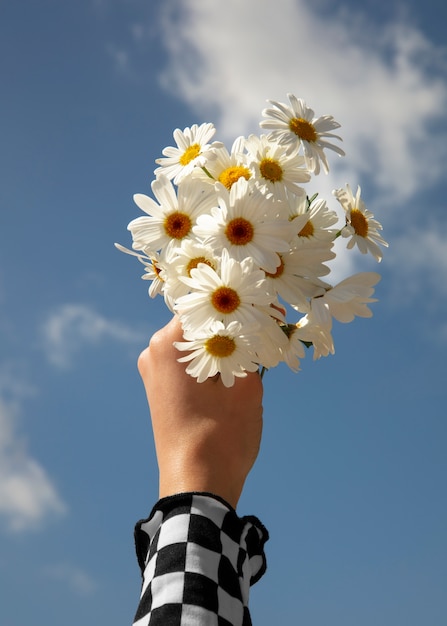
[207,173]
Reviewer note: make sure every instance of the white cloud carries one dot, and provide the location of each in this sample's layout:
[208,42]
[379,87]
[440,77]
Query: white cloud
[120,58]
[384,82]
[420,258]
[377,83]
[27,495]
[79,581]
[73,326]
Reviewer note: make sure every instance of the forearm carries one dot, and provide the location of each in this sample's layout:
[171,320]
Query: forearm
[198,560]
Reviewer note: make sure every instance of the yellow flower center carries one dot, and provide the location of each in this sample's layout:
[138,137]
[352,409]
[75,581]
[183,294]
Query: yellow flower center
[193,263]
[359,223]
[279,270]
[239,231]
[307,230]
[225,300]
[177,225]
[303,129]
[232,174]
[271,170]
[156,269]
[190,153]
[289,329]
[220,346]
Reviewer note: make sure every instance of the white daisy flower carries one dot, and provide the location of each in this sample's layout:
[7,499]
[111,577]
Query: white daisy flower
[242,225]
[296,277]
[226,295]
[169,222]
[193,150]
[154,272]
[274,169]
[184,259]
[347,299]
[296,126]
[272,338]
[294,349]
[219,349]
[311,223]
[361,226]
[320,337]
[227,167]
[152,268]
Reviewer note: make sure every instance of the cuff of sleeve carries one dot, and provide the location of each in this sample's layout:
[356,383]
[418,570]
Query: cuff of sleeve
[226,529]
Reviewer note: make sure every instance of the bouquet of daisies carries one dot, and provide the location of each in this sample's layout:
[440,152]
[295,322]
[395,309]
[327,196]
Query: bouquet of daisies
[238,250]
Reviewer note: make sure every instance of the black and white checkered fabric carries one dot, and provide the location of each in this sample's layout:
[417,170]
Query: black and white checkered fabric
[198,560]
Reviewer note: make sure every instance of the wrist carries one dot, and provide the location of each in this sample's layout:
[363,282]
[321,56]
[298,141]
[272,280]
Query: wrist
[185,480]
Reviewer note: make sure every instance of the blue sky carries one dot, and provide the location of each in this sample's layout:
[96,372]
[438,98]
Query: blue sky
[351,479]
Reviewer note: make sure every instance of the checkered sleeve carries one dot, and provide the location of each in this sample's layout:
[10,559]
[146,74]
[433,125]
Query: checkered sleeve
[198,559]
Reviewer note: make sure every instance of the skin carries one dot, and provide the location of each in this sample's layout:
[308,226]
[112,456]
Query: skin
[207,436]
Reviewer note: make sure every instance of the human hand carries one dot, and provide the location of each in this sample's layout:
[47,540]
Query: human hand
[207,436]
